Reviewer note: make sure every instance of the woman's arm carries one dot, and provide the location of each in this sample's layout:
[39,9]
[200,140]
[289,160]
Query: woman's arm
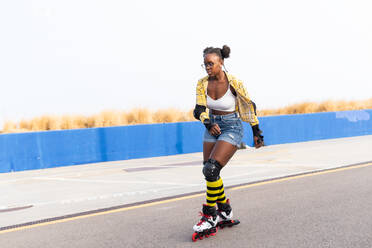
[257,137]
[200,110]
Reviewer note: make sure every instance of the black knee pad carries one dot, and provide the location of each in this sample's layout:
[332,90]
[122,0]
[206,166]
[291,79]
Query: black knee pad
[211,170]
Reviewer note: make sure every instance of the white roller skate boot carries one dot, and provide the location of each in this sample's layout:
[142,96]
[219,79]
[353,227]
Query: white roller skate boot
[226,215]
[225,211]
[207,226]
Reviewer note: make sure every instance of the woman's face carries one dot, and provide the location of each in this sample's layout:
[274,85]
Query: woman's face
[213,64]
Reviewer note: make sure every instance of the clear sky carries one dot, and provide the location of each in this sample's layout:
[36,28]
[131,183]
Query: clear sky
[85,56]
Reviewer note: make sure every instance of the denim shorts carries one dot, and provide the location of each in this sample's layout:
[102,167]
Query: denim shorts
[231,129]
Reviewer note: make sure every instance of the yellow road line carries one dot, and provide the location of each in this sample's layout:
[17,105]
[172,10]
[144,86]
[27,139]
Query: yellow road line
[179,199]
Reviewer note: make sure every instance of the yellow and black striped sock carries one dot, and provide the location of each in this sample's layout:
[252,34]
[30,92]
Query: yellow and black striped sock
[222,197]
[215,192]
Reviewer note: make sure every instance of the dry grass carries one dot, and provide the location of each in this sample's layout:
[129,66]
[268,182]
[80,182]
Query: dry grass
[143,116]
[314,107]
[106,118]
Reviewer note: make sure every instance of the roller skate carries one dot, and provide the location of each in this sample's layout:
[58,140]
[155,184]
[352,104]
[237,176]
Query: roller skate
[207,226]
[226,215]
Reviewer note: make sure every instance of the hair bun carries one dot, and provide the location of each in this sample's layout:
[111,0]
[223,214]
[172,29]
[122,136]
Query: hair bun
[225,51]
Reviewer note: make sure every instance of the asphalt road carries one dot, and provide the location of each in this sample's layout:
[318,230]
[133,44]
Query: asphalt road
[330,209]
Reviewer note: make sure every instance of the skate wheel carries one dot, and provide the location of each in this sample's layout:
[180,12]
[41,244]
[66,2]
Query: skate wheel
[236,222]
[195,237]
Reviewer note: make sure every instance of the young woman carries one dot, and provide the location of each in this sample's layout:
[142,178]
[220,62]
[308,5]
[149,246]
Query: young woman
[227,100]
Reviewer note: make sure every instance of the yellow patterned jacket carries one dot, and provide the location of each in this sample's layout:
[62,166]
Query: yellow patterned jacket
[244,104]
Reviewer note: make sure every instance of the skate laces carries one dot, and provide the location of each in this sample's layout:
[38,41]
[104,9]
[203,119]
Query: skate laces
[219,212]
[203,219]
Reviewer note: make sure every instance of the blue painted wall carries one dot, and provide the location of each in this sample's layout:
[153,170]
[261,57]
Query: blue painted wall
[306,127]
[37,150]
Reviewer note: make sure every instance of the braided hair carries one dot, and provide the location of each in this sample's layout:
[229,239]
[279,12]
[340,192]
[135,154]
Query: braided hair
[222,53]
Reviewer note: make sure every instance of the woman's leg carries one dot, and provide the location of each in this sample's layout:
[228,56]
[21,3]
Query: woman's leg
[215,189]
[207,149]
[222,152]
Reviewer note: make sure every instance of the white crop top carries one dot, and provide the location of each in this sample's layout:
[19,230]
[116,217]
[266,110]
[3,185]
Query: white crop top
[225,103]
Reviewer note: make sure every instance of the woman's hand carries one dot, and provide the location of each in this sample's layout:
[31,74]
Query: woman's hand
[257,137]
[258,141]
[215,130]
